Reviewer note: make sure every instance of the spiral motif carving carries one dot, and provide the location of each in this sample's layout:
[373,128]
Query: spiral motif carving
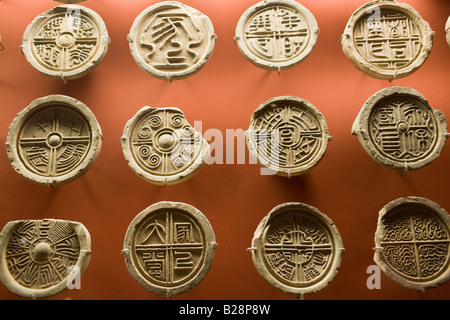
[154,161]
[155,121]
[177,120]
[144,151]
[144,132]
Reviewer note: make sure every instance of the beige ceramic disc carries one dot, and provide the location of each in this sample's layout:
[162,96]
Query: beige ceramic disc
[276,34]
[40,258]
[287,135]
[169,248]
[162,147]
[54,140]
[297,249]
[387,40]
[413,243]
[399,129]
[170,40]
[66,42]
[447,31]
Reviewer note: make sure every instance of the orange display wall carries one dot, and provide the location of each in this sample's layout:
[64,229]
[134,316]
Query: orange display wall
[348,186]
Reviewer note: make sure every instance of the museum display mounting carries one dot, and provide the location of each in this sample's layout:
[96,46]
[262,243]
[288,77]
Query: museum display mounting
[287,135]
[161,147]
[276,34]
[41,258]
[399,129]
[169,248]
[297,249]
[387,40]
[66,42]
[171,41]
[412,243]
[54,140]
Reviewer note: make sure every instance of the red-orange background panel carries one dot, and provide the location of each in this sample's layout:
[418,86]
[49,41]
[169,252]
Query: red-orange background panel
[347,185]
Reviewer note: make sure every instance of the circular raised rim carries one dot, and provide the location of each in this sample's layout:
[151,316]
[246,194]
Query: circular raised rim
[94,61]
[209,250]
[276,66]
[360,128]
[303,168]
[82,263]
[35,106]
[258,248]
[170,75]
[189,172]
[349,49]
[379,257]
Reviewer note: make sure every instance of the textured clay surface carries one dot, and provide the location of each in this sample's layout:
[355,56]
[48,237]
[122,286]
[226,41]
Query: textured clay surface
[276,34]
[66,42]
[287,135]
[387,40]
[162,147]
[41,258]
[412,243]
[169,248]
[297,249]
[171,41]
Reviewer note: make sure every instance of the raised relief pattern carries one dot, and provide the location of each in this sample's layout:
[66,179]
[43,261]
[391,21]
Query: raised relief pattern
[287,135]
[390,42]
[54,141]
[66,42]
[40,251]
[276,34]
[170,40]
[297,249]
[163,146]
[42,258]
[399,129]
[403,129]
[414,242]
[169,248]
[387,40]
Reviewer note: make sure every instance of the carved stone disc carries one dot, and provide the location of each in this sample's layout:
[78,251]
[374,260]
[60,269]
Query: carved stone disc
[413,243]
[276,34]
[287,135]
[67,42]
[171,41]
[297,249]
[169,248]
[399,129]
[387,40]
[162,147]
[54,140]
[40,258]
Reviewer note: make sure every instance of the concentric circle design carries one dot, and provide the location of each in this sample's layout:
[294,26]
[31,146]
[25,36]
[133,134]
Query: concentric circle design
[67,42]
[169,248]
[398,128]
[287,135]
[276,35]
[171,41]
[387,40]
[37,257]
[162,147]
[413,242]
[297,249]
[54,140]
